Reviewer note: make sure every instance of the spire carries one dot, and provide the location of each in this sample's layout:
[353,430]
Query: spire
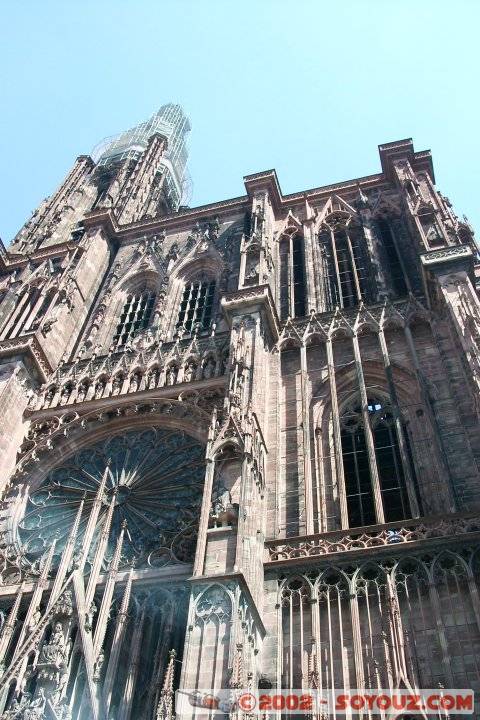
[165,705]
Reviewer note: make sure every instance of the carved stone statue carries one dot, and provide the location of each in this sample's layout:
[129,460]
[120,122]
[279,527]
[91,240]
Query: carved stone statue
[190,372]
[153,376]
[100,387]
[66,392]
[209,368]
[36,707]
[223,511]
[35,620]
[82,391]
[17,708]
[56,651]
[64,712]
[135,381]
[172,375]
[97,670]
[172,253]
[89,615]
[64,605]
[50,394]
[117,384]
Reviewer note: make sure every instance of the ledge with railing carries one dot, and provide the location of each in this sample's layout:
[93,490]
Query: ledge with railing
[361,540]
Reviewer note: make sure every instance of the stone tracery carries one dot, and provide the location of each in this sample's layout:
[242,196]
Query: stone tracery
[154,477]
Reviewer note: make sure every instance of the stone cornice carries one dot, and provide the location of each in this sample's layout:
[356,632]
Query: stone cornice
[257,182]
[174,222]
[180,221]
[265,180]
[348,186]
[252,299]
[29,346]
[403,149]
[447,255]
[9,260]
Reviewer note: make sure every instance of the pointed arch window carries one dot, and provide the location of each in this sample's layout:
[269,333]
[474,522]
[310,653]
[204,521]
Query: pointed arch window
[136,315]
[196,307]
[348,269]
[393,259]
[292,277]
[358,481]
[344,265]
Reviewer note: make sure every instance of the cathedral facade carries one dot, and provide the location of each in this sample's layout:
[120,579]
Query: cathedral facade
[239,443]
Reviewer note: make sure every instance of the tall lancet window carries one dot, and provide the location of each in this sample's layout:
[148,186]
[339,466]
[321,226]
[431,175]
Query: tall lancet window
[396,271]
[344,264]
[196,307]
[356,467]
[136,315]
[292,277]
[347,270]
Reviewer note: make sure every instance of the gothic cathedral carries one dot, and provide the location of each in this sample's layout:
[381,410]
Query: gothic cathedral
[239,444]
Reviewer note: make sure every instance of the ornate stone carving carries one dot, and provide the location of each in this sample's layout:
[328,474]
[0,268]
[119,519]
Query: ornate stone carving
[359,540]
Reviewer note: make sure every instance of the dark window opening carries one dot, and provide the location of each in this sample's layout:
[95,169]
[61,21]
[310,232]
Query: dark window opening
[390,470]
[358,483]
[298,277]
[394,266]
[196,307]
[292,278]
[284,294]
[135,316]
[331,294]
[358,488]
[345,271]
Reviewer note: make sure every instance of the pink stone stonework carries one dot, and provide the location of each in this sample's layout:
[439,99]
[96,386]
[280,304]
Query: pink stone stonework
[239,443]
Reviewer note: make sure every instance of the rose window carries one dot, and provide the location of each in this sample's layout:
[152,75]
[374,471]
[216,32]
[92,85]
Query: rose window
[155,480]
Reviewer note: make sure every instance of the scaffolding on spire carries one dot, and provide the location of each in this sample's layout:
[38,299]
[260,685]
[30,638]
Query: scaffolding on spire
[170,121]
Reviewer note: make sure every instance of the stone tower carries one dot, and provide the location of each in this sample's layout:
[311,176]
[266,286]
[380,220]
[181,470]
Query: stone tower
[239,443]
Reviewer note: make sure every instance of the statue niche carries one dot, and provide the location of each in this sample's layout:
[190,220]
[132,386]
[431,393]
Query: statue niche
[226,489]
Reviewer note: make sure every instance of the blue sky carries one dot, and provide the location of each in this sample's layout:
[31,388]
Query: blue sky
[310,87]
